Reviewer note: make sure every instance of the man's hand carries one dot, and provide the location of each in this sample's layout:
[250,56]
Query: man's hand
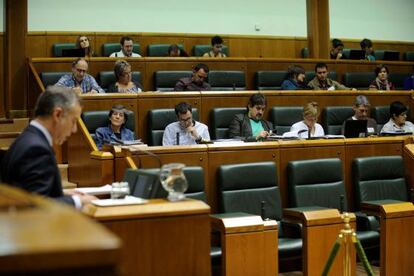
[263,134]
[93,92]
[193,132]
[86,199]
[78,90]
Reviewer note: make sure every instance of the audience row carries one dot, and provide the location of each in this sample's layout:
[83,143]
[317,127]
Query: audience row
[295,79]
[250,126]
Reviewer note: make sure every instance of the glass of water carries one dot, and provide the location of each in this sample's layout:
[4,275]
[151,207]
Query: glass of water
[119,190]
[173,181]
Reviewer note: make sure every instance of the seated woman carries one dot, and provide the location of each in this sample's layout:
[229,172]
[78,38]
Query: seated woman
[124,83]
[409,82]
[82,42]
[116,130]
[295,79]
[367,46]
[381,82]
[398,119]
[175,51]
[309,126]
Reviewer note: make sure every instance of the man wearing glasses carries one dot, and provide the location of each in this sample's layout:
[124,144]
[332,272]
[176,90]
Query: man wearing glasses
[197,82]
[185,131]
[80,80]
[361,110]
[216,48]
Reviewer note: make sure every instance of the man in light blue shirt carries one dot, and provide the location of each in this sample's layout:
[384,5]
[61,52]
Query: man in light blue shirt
[185,131]
[80,80]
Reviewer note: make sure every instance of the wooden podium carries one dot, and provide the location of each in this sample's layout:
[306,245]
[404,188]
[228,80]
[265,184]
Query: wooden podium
[397,239]
[160,237]
[320,229]
[39,236]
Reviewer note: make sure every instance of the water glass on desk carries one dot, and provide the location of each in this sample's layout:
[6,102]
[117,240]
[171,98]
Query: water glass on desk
[119,190]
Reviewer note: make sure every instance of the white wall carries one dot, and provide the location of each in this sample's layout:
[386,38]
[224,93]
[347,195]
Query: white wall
[275,17]
[1,16]
[374,19]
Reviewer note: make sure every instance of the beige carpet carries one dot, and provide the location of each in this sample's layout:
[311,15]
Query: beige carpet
[359,271]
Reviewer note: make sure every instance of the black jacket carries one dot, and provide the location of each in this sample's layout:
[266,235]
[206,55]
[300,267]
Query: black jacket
[240,127]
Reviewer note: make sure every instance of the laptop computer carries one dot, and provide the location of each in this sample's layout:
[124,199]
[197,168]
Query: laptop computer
[355,128]
[357,54]
[391,55]
[73,52]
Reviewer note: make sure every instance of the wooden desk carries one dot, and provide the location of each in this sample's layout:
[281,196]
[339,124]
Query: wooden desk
[43,237]
[397,239]
[160,237]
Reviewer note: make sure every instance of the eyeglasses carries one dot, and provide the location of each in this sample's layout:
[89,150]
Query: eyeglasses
[80,70]
[83,40]
[185,120]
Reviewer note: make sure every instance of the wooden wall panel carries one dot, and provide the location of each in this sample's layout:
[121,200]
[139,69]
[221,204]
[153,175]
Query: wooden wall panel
[2,87]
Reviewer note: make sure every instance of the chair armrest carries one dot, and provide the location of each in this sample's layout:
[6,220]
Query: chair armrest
[366,223]
[236,223]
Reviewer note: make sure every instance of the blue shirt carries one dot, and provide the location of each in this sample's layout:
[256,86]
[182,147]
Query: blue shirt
[104,135]
[409,83]
[170,134]
[87,84]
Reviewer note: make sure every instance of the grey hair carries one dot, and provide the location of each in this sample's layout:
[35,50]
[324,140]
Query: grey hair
[120,67]
[361,100]
[55,96]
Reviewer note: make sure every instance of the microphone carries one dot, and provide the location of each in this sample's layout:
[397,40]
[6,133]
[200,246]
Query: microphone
[177,138]
[263,210]
[234,86]
[309,132]
[341,203]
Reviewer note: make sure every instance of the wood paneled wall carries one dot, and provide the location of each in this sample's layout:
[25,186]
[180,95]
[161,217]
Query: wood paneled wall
[40,43]
[2,92]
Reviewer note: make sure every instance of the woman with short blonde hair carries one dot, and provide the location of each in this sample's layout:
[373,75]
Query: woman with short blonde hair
[309,126]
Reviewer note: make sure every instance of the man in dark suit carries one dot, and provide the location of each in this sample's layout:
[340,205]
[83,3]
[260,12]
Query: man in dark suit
[30,162]
[251,126]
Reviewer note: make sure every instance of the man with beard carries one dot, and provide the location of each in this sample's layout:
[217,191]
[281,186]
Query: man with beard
[197,82]
[251,126]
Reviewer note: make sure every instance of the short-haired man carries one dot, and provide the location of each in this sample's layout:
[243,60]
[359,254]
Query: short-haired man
[337,49]
[197,82]
[80,80]
[127,46]
[30,162]
[216,48]
[185,131]
[321,80]
[361,110]
[251,126]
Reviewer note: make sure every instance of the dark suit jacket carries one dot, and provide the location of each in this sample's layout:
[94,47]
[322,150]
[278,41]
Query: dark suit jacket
[30,164]
[240,127]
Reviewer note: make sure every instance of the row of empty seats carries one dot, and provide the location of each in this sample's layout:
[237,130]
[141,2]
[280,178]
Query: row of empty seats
[311,183]
[234,80]
[153,50]
[282,117]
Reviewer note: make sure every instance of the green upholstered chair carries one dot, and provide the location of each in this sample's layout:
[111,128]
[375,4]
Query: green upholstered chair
[59,47]
[160,50]
[305,53]
[309,75]
[241,190]
[227,80]
[166,80]
[409,56]
[319,183]
[269,80]
[283,117]
[398,79]
[109,48]
[200,50]
[379,54]
[51,78]
[379,178]
[334,116]
[359,80]
[96,119]
[220,120]
[158,120]
[106,78]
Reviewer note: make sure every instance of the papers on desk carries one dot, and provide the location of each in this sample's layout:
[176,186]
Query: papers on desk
[228,142]
[103,190]
[128,200]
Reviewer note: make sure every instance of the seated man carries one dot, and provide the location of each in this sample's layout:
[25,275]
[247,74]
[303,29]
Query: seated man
[322,82]
[126,48]
[80,80]
[30,162]
[185,131]
[116,130]
[175,51]
[361,109]
[196,82]
[337,49]
[217,46]
[367,46]
[251,126]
